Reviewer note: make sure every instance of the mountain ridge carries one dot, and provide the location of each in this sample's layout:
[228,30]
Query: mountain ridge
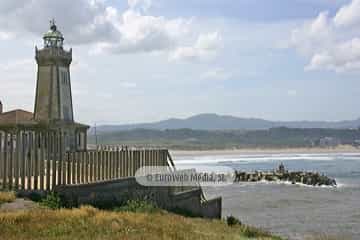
[211,121]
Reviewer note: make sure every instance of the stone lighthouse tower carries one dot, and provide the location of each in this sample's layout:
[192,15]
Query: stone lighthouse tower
[53,102]
[53,90]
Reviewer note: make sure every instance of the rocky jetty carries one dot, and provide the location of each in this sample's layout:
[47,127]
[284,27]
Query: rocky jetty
[281,174]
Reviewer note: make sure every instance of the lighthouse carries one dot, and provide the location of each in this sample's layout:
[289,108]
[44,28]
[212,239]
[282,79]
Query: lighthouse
[53,110]
[53,98]
[53,89]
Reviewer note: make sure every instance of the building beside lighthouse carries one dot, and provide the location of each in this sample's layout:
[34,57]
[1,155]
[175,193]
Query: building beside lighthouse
[53,108]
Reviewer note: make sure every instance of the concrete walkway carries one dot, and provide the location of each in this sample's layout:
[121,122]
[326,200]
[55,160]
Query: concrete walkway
[18,204]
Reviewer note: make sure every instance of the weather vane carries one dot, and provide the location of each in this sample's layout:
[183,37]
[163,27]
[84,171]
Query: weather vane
[52,24]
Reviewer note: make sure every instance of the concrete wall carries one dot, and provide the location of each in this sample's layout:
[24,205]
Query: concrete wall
[117,192]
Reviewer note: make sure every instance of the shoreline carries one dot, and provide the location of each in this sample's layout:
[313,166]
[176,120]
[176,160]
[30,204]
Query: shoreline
[257,151]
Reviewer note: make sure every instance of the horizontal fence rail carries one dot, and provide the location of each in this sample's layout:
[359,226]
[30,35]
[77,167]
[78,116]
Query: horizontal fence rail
[38,161]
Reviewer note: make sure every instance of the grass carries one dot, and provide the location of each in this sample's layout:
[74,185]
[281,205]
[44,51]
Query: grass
[137,206]
[327,237]
[6,197]
[90,223]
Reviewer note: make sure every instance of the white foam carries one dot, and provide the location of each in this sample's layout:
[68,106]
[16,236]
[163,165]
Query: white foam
[267,158]
[288,183]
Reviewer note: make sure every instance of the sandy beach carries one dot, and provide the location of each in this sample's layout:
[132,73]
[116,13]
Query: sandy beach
[256,151]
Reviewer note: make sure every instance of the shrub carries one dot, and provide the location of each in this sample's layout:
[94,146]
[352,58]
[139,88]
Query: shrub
[232,221]
[52,200]
[138,207]
[252,232]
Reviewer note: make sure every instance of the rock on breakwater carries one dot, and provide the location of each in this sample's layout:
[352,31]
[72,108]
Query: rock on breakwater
[281,174]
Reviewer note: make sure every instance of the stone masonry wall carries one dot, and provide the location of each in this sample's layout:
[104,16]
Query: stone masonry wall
[117,192]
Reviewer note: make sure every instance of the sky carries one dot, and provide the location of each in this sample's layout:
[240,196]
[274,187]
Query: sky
[149,60]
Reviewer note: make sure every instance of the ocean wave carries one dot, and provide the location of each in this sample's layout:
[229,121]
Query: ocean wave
[288,183]
[266,158]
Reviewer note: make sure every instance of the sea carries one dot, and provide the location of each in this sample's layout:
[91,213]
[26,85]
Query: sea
[295,212]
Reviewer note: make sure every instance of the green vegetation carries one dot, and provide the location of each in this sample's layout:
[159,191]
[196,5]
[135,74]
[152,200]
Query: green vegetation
[52,201]
[326,237]
[189,139]
[233,221]
[137,206]
[6,197]
[91,223]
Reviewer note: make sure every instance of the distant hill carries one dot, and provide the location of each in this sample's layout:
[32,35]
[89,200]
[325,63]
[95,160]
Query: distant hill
[218,122]
[189,139]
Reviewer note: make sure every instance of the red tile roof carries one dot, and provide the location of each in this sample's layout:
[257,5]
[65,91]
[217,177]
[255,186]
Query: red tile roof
[18,116]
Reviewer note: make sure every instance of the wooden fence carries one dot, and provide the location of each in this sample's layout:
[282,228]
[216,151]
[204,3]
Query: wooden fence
[38,161]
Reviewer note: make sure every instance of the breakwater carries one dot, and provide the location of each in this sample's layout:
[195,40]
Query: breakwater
[281,174]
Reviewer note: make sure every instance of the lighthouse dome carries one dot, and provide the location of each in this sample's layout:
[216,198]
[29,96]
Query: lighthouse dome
[53,38]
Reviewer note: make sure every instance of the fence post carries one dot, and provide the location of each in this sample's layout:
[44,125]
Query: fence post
[86,174]
[107,164]
[11,161]
[138,159]
[117,162]
[23,160]
[29,159]
[63,158]
[112,170]
[68,154]
[134,157]
[59,157]
[126,162]
[17,160]
[36,159]
[113,153]
[53,159]
[121,169]
[5,160]
[1,156]
[96,165]
[82,166]
[129,161]
[48,172]
[110,165]
[78,164]
[102,164]
[152,157]
[73,167]
[42,159]
[91,166]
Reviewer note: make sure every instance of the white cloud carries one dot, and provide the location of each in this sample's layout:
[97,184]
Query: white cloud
[216,74]
[14,65]
[128,85]
[292,93]
[5,35]
[206,47]
[142,4]
[331,43]
[348,15]
[142,33]
[104,28]
[83,21]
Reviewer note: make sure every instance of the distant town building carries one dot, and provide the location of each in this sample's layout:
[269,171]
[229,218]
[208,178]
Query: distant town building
[329,142]
[356,143]
[53,103]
